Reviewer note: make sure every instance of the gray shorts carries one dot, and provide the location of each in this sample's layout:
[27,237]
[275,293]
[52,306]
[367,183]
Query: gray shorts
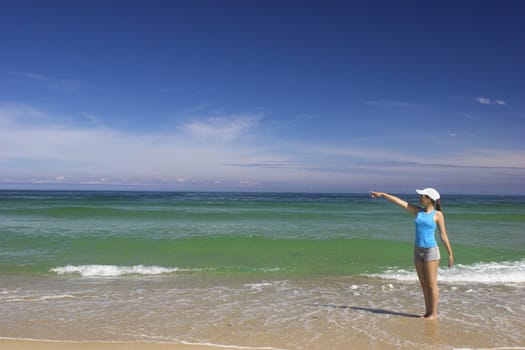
[426,254]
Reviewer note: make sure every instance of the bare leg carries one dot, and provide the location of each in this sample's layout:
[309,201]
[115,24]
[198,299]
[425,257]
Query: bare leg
[421,274]
[431,271]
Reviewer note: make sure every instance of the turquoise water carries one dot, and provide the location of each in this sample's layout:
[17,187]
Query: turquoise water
[130,233]
[254,271]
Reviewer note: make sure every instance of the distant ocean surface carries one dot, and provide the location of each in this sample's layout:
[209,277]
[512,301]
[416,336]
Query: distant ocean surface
[255,270]
[143,233]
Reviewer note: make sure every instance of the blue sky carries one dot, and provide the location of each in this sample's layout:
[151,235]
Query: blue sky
[323,96]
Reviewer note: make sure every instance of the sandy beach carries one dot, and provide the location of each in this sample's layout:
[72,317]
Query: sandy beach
[155,271]
[7,344]
[314,314]
[406,331]
[53,345]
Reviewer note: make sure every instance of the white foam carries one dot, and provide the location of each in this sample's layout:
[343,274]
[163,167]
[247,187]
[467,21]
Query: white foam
[114,270]
[258,286]
[507,272]
[42,298]
[62,296]
[174,341]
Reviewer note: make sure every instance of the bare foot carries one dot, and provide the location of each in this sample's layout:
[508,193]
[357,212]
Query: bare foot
[430,317]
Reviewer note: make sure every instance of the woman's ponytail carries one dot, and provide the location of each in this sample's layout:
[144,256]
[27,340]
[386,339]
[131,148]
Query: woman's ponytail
[438,204]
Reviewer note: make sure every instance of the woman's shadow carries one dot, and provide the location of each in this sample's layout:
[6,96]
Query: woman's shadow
[367,309]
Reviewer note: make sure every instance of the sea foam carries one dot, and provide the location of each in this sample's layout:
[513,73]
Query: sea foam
[507,272]
[114,270]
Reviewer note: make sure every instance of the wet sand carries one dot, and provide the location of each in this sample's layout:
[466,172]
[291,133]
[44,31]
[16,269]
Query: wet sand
[307,314]
[55,345]
[398,331]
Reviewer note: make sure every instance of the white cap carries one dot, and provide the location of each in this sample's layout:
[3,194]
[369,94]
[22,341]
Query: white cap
[430,192]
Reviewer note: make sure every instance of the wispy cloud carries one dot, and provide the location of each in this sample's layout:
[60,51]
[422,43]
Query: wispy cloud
[47,82]
[222,128]
[391,104]
[489,101]
[58,150]
[227,151]
[268,164]
[11,112]
[468,116]
[349,160]
[95,120]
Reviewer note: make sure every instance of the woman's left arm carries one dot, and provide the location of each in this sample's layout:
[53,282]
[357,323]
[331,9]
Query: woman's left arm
[444,237]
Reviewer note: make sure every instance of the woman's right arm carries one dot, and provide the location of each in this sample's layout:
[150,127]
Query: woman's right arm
[396,200]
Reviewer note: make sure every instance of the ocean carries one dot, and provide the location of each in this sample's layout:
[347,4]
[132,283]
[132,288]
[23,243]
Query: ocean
[253,270]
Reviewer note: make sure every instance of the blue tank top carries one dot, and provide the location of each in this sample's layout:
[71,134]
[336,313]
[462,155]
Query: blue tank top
[425,229]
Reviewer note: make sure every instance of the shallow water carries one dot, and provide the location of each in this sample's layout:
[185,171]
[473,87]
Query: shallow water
[289,271]
[287,314]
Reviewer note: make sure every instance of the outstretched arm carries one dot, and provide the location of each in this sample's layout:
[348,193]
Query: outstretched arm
[396,200]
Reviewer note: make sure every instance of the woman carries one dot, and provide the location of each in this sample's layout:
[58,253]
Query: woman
[426,250]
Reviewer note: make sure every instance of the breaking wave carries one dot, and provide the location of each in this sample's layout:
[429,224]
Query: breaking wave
[506,272]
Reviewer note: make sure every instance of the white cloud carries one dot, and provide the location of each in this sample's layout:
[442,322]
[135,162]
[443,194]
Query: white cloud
[347,159]
[51,83]
[218,152]
[92,118]
[12,112]
[488,101]
[194,151]
[489,158]
[222,128]
[391,104]
[468,116]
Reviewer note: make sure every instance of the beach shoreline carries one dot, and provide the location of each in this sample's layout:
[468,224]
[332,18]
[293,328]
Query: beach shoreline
[300,314]
[431,335]
[260,271]
[39,344]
